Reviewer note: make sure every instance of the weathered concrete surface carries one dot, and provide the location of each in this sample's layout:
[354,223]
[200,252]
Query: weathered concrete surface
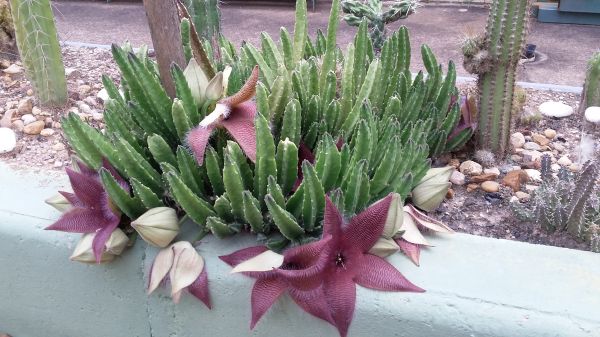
[568,47]
[475,287]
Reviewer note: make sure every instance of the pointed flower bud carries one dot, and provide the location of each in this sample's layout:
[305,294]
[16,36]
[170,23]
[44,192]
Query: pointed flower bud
[384,247]
[59,202]
[197,81]
[394,217]
[115,245]
[432,189]
[158,226]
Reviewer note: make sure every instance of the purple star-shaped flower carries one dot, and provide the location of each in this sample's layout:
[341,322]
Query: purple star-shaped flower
[321,277]
[92,211]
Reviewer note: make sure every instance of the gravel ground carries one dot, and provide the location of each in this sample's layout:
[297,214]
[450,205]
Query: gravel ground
[467,210]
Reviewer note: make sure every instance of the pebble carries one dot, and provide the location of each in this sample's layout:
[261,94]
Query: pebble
[71,72]
[574,167]
[36,111]
[18,125]
[592,114]
[84,108]
[550,133]
[540,139]
[517,140]
[471,168]
[534,175]
[558,147]
[493,170]
[58,147]
[490,186]
[522,196]
[531,188]
[91,101]
[28,119]
[514,179]
[457,178]
[34,128]
[13,69]
[29,92]
[84,89]
[483,177]
[555,167]
[532,146]
[514,199]
[47,132]
[472,187]
[555,109]
[103,95]
[8,140]
[97,116]
[531,155]
[58,164]
[25,106]
[564,161]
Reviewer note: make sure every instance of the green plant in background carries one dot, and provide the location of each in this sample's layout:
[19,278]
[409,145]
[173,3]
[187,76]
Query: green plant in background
[40,53]
[566,202]
[206,17]
[494,57]
[373,12]
[591,94]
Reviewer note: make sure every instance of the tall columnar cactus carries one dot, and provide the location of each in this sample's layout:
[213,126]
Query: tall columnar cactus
[591,95]
[372,11]
[494,58]
[37,41]
[206,17]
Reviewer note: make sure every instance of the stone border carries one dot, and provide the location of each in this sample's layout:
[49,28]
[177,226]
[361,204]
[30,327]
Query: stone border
[476,286]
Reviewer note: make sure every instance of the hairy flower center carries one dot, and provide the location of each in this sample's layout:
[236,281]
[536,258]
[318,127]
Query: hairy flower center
[340,260]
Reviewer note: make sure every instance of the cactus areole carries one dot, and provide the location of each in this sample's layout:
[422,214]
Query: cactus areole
[318,156]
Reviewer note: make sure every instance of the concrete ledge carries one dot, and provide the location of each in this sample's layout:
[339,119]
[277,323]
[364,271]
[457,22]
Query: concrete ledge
[475,287]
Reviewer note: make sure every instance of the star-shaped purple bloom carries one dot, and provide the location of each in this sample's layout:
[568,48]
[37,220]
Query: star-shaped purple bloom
[92,211]
[321,277]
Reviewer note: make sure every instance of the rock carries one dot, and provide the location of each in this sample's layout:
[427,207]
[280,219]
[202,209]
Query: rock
[490,186]
[457,178]
[91,101]
[454,163]
[8,140]
[522,196]
[72,72]
[517,140]
[29,92]
[540,139]
[84,108]
[483,177]
[47,132]
[550,133]
[532,146]
[558,147]
[514,179]
[574,168]
[28,119]
[97,116]
[103,95]
[555,109]
[555,167]
[534,175]
[84,89]
[36,111]
[516,158]
[56,125]
[58,164]
[513,199]
[592,114]
[13,69]
[34,128]
[25,106]
[470,168]
[472,187]
[450,194]
[564,161]
[18,125]
[5,121]
[531,188]
[58,147]
[531,155]
[493,170]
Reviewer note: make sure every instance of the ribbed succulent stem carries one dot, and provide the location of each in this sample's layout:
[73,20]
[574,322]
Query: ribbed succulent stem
[40,52]
[504,38]
[591,94]
[206,17]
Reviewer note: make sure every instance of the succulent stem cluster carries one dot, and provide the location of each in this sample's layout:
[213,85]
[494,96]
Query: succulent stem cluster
[37,41]
[566,202]
[494,58]
[325,123]
[372,11]
[591,94]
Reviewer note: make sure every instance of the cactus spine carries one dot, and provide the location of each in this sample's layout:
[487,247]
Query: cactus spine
[591,95]
[37,41]
[372,10]
[494,58]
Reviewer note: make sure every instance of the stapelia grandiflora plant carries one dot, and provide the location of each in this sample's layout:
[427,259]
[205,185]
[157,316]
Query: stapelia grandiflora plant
[90,209]
[321,276]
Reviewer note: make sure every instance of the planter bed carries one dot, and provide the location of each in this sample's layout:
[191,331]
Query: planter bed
[475,287]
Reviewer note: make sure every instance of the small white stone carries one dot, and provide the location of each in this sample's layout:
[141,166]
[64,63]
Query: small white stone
[36,111]
[513,199]
[534,175]
[457,178]
[471,168]
[531,155]
[28,119]
[13,69]
[555,109]
[555,167]
[522,195]
[47,132]
[58,164]
[103,95]
[564,161]
[8,140]
[532,146]
[493,170]
[97,116]
[25,106]
[490,186]
[517,140]
[550,133]
[592,114]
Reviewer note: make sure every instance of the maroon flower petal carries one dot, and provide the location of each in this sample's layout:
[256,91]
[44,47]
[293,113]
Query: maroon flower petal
[340,293]
[303,265]
[87,189]
[197,140]
[84,169]
[242,255]
[72,199]
[79,220]
[106,164]
[412,250]
[199,288]
[264,293]
[313,302]
[240,125]
[99,243]
[376,273]
[332,220]
[364,229]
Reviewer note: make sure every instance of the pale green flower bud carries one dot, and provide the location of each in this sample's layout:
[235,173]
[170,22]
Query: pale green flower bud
[384,247]
[158,226]
[59,202]
[394,220]
[114,246]
[432,189]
